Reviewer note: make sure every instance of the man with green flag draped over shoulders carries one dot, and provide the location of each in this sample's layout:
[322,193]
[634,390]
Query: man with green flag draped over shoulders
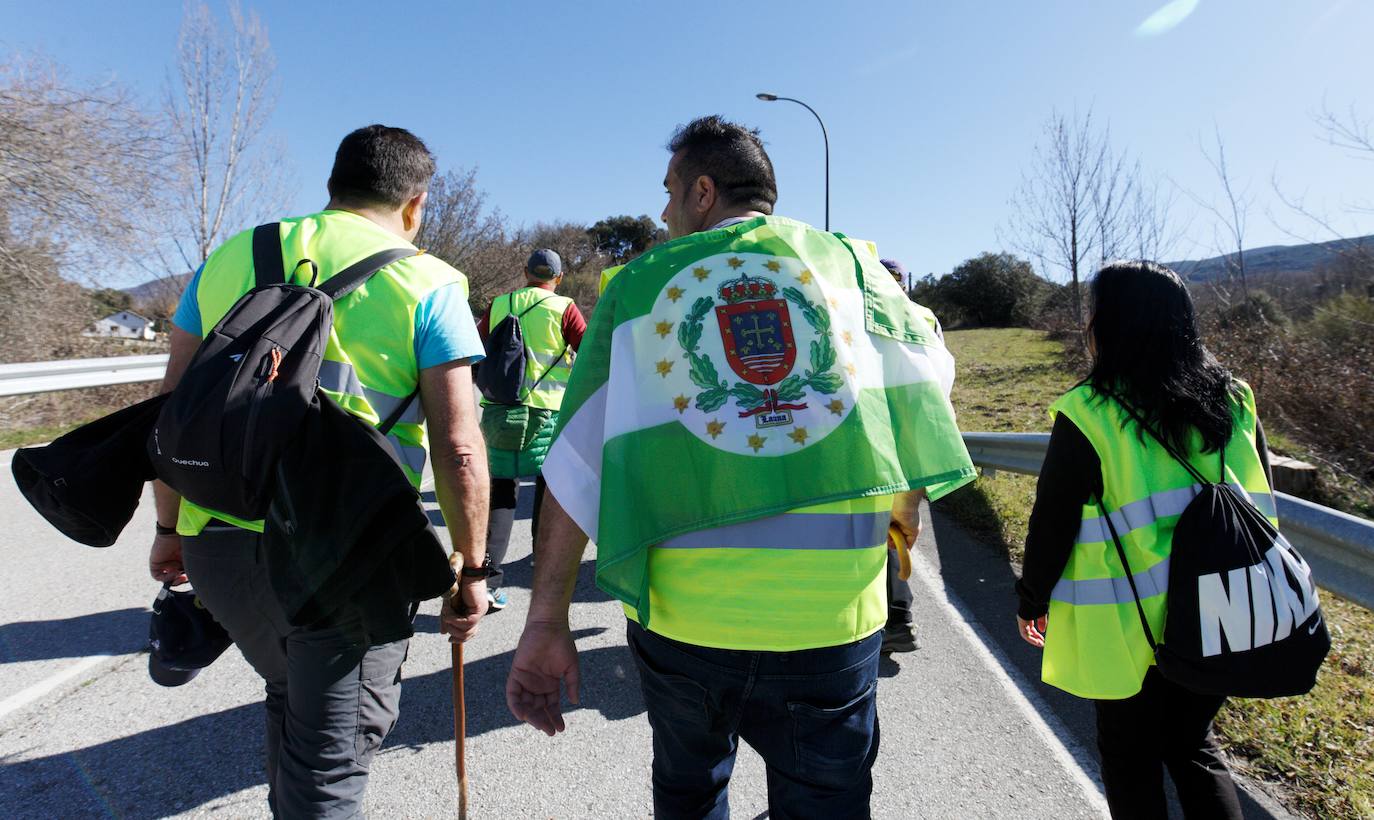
[754,403]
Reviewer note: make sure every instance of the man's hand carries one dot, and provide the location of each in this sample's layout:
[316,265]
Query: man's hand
[545,658]
[906,515]
[164,560]
[463,610]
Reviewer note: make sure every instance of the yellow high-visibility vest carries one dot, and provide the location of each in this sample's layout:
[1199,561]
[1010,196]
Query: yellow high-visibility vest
[1095,646]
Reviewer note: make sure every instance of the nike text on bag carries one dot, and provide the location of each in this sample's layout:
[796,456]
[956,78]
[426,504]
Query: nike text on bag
[247,388]
[501,374]
[1243,616]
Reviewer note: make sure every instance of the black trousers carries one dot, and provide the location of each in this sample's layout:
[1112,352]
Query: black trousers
[1163,726]
[504,492]
[898,594]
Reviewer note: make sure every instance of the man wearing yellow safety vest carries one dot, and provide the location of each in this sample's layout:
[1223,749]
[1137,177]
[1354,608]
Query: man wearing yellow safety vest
[333,687]
[755,405]
[518,436]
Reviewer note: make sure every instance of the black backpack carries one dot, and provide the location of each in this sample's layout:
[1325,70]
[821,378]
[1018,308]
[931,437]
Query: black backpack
[501,374]
[1243,617]
[245,392]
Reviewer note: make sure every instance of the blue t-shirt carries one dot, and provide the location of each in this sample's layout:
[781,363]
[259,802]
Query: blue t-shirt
[444,329]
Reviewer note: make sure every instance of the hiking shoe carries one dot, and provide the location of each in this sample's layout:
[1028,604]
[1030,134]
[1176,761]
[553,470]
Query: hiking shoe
[899,638]
[496,601]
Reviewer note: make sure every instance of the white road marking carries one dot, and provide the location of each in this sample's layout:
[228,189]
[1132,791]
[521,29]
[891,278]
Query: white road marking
[24,697]
[1068,752]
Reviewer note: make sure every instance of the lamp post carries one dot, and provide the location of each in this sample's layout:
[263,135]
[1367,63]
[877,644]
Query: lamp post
[824,136]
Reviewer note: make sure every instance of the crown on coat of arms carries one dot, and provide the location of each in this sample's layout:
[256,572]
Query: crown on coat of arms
[746,289]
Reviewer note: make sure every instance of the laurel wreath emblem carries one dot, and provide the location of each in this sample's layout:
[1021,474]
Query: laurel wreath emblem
[715,391]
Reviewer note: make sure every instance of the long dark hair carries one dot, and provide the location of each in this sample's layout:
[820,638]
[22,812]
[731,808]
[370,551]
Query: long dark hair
[1149,352]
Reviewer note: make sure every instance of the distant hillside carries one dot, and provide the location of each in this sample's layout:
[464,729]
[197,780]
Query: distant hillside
[165,289]
[1274,259]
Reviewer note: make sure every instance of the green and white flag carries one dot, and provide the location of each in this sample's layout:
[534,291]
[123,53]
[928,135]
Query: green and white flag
[744,372]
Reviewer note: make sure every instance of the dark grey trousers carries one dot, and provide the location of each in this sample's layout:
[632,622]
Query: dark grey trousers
[331,697]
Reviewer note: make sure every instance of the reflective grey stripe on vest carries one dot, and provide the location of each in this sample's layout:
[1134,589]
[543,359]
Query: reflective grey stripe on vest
[411,456]
[544,366]
[550,384]
[340,378]
[1162,504]
[546,360]
[798,531]
[1153,581]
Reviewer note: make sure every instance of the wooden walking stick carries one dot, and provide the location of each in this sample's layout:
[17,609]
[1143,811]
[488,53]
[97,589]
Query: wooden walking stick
[460,731]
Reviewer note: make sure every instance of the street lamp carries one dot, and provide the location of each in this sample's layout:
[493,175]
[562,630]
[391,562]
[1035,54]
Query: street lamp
[824,136]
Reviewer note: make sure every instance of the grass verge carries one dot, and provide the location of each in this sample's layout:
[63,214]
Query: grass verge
[10,439]
[1317,749]
[1007,378]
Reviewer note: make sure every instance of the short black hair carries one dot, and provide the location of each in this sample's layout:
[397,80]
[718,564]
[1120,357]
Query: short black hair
[380,165]
[729,154]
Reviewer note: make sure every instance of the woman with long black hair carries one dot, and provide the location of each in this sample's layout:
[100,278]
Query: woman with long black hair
[1104,471]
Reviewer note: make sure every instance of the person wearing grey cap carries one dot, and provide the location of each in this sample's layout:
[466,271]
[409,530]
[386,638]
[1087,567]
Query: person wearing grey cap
[518,435]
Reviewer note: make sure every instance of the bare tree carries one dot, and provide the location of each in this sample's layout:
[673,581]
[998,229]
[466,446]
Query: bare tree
[1151,230]
[459,229]
[1347,131]
[218,101]
[76,163]
[1053,210]
[1231,215]
[1113,204]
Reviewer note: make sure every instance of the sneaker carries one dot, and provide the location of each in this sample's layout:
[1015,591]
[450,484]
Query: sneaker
[496,601]
[899,638]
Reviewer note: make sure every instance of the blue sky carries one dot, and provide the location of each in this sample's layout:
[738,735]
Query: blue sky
[933,108]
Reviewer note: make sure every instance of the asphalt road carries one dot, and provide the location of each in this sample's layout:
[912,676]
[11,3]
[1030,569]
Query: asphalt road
[967,731]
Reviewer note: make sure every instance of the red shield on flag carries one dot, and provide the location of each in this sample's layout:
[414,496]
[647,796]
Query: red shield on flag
[758,339]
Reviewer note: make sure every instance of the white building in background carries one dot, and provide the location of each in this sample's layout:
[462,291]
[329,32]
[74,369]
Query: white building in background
[124,325]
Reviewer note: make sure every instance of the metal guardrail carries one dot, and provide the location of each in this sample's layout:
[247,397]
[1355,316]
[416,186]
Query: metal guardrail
[43,377]
[1338,546]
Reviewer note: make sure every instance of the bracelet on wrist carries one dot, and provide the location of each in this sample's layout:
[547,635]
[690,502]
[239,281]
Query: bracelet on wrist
[478,573]
[161,530]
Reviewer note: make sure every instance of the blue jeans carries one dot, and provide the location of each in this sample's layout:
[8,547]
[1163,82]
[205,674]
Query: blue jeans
[812,715]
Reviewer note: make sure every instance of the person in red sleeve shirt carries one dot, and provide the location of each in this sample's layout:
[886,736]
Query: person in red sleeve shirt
[518,435]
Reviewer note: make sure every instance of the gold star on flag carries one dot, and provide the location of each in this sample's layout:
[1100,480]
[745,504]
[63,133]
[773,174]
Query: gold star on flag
[850,369]
[847,337]
[664,367]
[836,406]
[772,264]
[663,329]
[734,261]
[756,441]
[675,293]
[680,404]
[798,435]
[805,277]
[834,303]
[714,428]
[700,273]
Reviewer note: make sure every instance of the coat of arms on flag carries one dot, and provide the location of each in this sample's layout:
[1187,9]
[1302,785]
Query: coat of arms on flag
[772,329]
[756,329]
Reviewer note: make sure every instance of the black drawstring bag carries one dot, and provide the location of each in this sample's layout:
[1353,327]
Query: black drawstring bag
[1243,617]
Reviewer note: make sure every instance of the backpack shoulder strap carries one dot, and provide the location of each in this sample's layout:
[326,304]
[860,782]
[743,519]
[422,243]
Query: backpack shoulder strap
[395,416]
[522,313]
[350,278]
[267,259]
[1130,577]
